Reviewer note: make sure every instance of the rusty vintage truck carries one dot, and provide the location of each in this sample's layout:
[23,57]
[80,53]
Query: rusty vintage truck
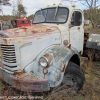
[46,54]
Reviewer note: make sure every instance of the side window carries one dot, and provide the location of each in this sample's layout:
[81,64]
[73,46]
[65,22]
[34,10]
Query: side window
[76,19]
[22,22]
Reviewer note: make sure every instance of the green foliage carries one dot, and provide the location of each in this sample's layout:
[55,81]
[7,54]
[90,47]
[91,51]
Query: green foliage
[7,17]
[10,17]
[31,16]
[21,9]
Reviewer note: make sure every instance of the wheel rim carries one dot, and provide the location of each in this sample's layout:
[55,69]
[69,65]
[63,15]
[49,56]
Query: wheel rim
[70,80]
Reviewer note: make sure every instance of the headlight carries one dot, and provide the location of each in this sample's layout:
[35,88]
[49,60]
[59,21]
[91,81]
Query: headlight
[46,60]
[43,62]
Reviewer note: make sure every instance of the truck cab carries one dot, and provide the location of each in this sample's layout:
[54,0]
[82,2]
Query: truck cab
[46,54]
[69,21]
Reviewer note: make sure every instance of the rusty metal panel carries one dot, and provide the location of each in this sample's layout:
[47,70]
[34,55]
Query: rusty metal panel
[25,82]
[36,86]
[28,31]
[60,57]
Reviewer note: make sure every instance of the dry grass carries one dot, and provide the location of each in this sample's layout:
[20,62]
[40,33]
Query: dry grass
[89,29]
[91,88]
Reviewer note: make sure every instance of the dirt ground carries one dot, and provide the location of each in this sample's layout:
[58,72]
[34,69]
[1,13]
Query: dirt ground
[90,91]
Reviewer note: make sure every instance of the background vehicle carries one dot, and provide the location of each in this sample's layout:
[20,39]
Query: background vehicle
[91,41]
[15,23]
[46,54]
[20,22]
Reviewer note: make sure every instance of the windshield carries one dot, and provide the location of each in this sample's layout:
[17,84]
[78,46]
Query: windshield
[51,15]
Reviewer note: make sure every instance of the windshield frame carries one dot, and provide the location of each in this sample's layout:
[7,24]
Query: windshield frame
[46,15]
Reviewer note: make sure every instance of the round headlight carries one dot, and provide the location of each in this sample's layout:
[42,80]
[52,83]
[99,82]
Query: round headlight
[43,62]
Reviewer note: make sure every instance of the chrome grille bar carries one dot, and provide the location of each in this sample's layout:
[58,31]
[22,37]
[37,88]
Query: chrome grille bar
[8,54]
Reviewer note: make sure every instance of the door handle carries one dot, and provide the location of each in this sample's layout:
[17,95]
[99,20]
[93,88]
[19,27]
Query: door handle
[78,27]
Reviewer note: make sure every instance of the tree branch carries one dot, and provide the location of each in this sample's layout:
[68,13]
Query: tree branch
[84,4]
[88,3]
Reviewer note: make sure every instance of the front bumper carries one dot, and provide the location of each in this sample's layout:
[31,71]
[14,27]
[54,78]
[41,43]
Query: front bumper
[25,82]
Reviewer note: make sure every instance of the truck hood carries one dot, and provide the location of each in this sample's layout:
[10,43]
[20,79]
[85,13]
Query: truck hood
[28,42]
[28,31]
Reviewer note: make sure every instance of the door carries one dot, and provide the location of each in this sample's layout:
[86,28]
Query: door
[76,30]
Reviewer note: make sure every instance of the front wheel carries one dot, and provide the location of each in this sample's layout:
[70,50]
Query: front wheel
[73,77]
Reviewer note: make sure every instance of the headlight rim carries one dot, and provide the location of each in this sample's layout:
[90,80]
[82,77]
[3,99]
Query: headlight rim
[46,61]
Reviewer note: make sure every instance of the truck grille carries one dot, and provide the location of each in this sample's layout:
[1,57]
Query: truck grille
[8,54]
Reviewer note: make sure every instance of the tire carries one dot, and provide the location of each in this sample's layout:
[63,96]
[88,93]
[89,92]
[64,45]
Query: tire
[73,77]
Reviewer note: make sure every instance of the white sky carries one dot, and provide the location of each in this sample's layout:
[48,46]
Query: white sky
[31,5]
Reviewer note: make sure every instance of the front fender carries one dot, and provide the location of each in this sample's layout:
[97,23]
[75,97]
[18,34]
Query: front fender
[60,56]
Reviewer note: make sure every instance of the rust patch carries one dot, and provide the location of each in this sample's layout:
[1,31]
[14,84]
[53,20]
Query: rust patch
[55,27]
[34,31]
[18,73]
[29,30]
[48,30]
[45,70]
[38,38]
[6,42]
[30,83]
[64,68]
[16,33]
[35,86]
[25,29]
[49,57]
[69,46]
[84,59]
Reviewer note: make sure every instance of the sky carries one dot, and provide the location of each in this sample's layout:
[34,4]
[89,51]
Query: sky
[31,6]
